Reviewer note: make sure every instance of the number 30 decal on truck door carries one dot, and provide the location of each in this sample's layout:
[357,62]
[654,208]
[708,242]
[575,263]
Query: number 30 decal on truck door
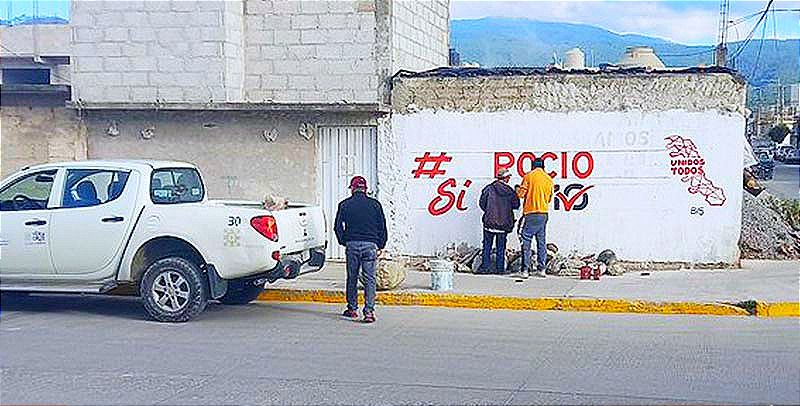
[232,234]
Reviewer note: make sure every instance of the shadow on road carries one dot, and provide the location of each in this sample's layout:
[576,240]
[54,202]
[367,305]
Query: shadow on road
[117,306]
[130,307]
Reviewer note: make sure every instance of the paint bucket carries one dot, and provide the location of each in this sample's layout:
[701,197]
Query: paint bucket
[441,274]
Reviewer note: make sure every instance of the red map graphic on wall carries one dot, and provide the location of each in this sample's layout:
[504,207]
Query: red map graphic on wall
[687,163]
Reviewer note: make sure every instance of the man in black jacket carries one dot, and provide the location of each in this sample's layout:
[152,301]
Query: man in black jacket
[361,227]
[498,202]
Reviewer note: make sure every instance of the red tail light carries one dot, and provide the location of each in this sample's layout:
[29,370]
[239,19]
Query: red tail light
[266,226]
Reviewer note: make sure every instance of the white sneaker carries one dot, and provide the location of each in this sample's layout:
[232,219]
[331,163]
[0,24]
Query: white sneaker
[524,274]
[540,274]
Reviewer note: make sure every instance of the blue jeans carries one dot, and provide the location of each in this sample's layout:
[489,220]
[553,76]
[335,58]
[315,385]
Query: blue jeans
[500,262]
[361,255]
[534,225]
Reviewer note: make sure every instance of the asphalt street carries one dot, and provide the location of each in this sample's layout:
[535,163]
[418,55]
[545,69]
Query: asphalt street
[786,181]
[102,350]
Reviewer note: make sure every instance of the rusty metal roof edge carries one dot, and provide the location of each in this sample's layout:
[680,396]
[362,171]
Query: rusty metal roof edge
[235,106]
[467,72]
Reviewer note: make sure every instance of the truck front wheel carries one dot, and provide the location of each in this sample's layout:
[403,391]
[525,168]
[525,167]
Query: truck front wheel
[241,292]
[173,290]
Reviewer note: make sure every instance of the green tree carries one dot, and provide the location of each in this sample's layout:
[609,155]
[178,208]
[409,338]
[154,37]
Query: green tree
[778,133]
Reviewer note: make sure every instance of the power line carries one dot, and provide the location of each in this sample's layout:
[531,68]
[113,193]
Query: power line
[757,13]
[747,40]
[705,51]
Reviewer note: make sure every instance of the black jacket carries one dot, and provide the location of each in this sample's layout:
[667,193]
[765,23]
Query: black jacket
[498,202]
[360,218]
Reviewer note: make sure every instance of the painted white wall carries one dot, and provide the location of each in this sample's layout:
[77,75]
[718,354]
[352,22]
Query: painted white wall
[637,207]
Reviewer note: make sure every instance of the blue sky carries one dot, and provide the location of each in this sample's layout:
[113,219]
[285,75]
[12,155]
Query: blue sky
[691,22]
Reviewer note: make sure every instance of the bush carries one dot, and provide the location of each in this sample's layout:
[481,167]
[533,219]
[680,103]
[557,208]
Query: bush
[789,210]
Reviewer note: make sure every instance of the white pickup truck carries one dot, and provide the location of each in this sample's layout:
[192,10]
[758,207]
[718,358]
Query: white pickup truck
[94,226]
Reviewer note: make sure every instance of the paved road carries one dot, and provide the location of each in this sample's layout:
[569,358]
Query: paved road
[101,350]
[786,181]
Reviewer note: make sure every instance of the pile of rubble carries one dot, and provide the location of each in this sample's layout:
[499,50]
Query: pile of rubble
[765,234]
[389,274]
[469,259]
[571,265]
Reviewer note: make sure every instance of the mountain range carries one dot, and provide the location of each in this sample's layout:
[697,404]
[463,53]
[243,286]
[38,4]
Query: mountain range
[493,42]
[27,20]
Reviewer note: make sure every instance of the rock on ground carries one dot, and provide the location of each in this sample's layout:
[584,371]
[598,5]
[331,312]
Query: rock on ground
[765,235]
[389,274]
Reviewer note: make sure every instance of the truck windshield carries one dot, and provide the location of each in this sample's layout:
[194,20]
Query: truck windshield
[176,185]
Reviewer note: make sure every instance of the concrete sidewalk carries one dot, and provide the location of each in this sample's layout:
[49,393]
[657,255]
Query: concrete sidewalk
[771,286]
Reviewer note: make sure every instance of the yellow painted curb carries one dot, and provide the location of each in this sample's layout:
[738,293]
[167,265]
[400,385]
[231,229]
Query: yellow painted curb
[509,303]
[780,309]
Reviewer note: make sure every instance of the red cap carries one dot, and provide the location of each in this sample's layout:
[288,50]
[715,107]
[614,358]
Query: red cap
[358,182]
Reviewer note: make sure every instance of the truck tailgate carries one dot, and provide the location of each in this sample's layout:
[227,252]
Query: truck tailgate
[300,228]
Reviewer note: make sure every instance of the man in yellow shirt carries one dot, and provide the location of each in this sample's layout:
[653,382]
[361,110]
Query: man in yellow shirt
[537,192]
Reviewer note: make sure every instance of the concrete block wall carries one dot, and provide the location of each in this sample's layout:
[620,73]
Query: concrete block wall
[311,51]
[285,51]
[230,147]
[233,49]
[34,135]
[140,51]
[420,34]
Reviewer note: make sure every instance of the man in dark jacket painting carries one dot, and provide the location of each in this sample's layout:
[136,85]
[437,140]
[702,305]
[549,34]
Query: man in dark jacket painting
[498,202]
[361,227]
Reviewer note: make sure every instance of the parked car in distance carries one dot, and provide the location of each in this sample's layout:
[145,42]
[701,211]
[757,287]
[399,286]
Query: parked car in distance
[92,226]
[792,157]
[783,151]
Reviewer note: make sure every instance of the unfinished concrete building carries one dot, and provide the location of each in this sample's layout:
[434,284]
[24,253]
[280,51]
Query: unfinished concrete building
[265,96]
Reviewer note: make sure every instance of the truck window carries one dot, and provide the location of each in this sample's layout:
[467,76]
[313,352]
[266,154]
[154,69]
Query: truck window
[92,187]
[176,185]
[30,192]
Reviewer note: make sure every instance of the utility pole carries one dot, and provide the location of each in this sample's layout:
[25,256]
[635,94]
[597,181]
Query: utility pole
[722,39]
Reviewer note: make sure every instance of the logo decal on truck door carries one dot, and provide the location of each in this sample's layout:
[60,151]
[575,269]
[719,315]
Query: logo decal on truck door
[232,237]
[36,237]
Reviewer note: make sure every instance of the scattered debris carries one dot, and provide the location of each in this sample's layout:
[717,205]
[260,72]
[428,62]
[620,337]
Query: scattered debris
[274,203]
[750,183]
[607,257]
[615,269]
[389,274]
[469,259]
[765,233]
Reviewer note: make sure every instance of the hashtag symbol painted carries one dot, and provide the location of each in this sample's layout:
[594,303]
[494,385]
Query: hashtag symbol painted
[426,159]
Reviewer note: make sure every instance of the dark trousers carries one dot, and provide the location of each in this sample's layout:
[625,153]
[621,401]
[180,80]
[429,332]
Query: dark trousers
[361,255]
[489,238]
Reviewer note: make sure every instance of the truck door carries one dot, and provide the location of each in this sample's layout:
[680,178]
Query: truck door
[91,225]
[25,224]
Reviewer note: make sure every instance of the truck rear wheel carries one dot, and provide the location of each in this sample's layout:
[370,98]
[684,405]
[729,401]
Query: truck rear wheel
[173,290]
[241,292]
